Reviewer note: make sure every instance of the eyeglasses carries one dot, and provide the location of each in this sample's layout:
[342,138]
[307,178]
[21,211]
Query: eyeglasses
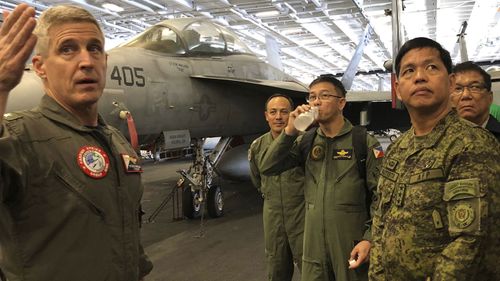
[322,96]
[473,89]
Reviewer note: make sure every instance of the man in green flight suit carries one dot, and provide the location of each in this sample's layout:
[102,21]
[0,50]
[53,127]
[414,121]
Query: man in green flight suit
[439,213]
[337,223]
[283,210]
[69,193]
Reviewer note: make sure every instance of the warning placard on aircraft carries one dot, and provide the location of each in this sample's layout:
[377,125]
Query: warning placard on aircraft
[177,139]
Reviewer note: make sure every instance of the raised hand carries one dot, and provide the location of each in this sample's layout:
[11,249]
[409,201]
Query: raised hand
[16,44]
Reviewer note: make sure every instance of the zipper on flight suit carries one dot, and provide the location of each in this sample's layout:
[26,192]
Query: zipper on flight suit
[102,138]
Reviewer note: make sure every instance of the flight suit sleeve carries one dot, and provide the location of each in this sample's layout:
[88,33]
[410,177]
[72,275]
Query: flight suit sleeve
[373,163]
[254,170]
[283,154]
[471,195]
[145,264]
[12,160]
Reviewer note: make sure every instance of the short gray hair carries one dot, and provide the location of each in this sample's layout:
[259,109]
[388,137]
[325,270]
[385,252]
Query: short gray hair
[55,16]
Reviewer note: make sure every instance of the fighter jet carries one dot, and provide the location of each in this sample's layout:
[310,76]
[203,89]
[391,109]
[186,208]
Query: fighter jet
[179,80]
[184,80]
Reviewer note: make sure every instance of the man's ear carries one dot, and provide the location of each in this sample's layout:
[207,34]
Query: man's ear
[396,86]
[342,103]
[39,66]
[452,80]
[490,98]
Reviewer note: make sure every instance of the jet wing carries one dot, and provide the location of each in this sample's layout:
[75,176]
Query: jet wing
[291,88]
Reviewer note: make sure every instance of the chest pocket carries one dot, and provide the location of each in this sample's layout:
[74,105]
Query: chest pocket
[57,191]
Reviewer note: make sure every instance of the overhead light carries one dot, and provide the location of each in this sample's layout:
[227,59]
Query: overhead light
[141,22]
[184,3]
[139,5]
[292,31]
[85,4]
[317,3]
[267,14]
[154,4]
[207,14]
[112,7]
[309,41]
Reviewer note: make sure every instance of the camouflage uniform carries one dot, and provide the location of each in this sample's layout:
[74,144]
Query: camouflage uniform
[283,213]
[337,216]
[439,210]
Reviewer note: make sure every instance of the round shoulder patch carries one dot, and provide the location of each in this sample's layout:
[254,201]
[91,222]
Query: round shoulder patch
[93,161]
[317,152]
[462,215]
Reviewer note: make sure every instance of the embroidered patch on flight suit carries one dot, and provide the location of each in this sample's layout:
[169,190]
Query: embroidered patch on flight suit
[317,152]
[378,152]
[93,161]
[131,164]
[342,154]
[462,215]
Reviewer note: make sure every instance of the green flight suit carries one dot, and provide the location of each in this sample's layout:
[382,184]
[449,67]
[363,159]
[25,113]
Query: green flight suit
[439,211]
[283,213]
[58,223]
[337,215]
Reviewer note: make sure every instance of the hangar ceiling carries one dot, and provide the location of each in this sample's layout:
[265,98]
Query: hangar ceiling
[315,36]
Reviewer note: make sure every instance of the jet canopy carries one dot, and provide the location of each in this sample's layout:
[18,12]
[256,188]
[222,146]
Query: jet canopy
[189,37]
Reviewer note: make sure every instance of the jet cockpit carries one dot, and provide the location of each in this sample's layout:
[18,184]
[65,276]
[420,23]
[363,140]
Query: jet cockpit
[193,37]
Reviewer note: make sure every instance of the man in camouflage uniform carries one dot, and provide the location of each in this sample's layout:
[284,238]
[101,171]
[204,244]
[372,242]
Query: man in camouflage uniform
[283,211]
[438,217]
[337,220]
[472,96]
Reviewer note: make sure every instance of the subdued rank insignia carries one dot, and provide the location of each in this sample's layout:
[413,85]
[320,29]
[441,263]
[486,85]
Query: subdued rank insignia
[436,218]
[131,164]
[426,163]
[93,161]
[317,152]
[342,154]
[378,152]
[462,215]
[391,163]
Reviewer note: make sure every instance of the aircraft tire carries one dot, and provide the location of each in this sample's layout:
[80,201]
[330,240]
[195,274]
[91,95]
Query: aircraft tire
[190,208]
[215,202]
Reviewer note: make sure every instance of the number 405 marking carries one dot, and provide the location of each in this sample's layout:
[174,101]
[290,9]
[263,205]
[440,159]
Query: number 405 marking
[129,75]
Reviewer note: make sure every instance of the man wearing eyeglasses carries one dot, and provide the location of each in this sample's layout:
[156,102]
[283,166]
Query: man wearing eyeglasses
[337,223]
[472,96]
[438,216]
[283,210]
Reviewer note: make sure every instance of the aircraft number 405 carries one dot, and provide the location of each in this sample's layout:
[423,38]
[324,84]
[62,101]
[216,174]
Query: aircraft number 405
[131,76]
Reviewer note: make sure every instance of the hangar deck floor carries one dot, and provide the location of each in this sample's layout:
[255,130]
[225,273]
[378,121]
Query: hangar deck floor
[232,247]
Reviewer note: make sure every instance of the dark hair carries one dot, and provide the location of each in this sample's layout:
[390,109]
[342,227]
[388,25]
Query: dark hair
[419,43]
[470,66]
[277,96]
[330,78]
